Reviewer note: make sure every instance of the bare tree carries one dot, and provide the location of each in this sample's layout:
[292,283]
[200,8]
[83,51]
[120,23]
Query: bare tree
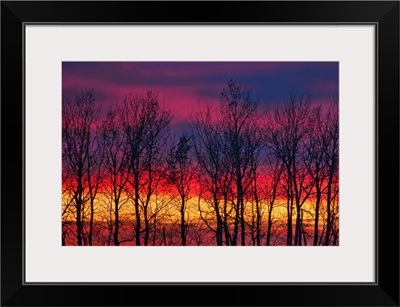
[95,174]
[331,143]
[241,178]
[154,165]
[274,169]
[315,161]
[208,148]
[116,164]
[180,176]
[255,154]
[292,124]
[146,127]
[78,153]
[238,113]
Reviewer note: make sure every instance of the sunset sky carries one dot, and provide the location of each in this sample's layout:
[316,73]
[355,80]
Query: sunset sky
[183,85]
[140,191]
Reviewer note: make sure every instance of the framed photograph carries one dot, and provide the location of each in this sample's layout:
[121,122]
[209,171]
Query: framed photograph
[240,153]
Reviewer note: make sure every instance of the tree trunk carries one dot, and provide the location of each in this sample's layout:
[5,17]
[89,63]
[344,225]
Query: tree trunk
[79,226]
[225,225]
[329,218]
[269,225]
[116,231]
[164,236]
[146,225]
[289,221]
[183,223]
[258,223]
[137,216]
[297,235]
[236,225]
[91,221]
[242,224]
[219,230]
[316,226]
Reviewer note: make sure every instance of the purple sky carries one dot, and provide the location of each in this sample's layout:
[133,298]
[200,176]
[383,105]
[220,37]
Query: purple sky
[182,85]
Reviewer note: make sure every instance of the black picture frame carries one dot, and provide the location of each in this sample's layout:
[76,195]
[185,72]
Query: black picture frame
[383,14]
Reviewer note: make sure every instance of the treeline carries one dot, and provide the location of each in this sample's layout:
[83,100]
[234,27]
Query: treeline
[240,176]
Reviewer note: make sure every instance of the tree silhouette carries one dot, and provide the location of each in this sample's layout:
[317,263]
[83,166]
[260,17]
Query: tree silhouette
[315,161]
[331,143]
[116,164]
[239,176]
[254,197]
[238,113]
[209,151]
[146,127]
[180,176]
[79,155]
[274,169]
[290,128]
